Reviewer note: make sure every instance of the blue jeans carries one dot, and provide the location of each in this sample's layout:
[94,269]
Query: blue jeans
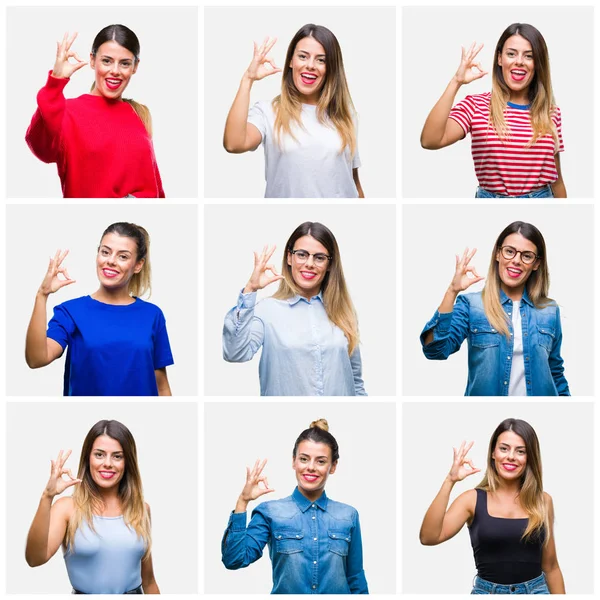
[545,192]
[533,586]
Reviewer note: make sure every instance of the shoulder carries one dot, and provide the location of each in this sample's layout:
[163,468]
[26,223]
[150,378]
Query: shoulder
[264,107]
[284,507]
[341,510]
[548,500]
[148,307]
[472,299]
[477,101]
[64,507]
[74,304]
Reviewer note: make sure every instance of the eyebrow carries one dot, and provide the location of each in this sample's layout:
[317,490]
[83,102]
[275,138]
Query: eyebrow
[102,450]
[109,248]
[308,456]
[112,58]
[307,52]
[517,447]
[515,50]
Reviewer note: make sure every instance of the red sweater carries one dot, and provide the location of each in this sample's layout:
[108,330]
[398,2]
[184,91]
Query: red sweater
[101,147]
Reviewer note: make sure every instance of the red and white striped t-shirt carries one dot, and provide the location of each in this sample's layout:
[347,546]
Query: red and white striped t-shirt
[508,166]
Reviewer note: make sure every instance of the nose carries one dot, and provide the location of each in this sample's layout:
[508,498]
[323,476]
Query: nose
[110,259]
[107,462]
[520,59]
[311,63]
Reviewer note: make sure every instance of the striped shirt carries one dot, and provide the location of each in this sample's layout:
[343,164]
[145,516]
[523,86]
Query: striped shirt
[508,166]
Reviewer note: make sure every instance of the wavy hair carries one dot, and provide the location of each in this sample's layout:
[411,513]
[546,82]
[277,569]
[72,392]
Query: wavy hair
[541,96]
[537,284]
[126,38]
[87,497]
[335,103]
[336,298]
[141,283]
[531,493]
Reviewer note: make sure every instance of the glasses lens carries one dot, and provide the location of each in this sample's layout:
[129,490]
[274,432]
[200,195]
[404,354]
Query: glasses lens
[528,257]
[508,252]
[301,256]
[320,259]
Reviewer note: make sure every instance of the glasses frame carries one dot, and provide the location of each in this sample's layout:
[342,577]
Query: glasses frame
[329,258]
[537,256]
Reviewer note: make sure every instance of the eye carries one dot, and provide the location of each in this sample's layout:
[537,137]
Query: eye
[126,64]
[98,454]
[123,257]
[302,56]
[302,254]
[322,61]
[522,452]
[118,457]
[106,61]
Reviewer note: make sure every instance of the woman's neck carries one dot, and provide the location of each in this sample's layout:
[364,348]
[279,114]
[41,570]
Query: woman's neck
[521,97]
[118,296]
[111,504]
[514,293]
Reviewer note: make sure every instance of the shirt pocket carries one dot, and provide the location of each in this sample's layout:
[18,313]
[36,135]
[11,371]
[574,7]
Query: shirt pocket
[483,335]
[546,336]
[339,541]
[288,541]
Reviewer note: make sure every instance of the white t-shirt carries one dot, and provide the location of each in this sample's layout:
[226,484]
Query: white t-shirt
[312,166]
[516,385]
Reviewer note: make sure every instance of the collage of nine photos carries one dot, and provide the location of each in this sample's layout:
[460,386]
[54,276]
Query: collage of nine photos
[220,207]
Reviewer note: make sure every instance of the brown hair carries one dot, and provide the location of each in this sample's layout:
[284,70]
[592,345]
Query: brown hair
[318,432]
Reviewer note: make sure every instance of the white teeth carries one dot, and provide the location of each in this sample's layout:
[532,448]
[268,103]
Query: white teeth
[309,76]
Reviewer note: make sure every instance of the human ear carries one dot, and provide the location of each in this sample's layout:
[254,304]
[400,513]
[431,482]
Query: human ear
[136,64]
[139,265]
[92,61]
[500,59]
[289,259]
[333,468]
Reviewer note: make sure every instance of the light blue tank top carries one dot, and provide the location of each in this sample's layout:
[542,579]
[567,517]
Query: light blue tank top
[108,561]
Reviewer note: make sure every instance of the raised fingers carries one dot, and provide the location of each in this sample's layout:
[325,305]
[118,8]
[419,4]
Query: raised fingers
[270,45]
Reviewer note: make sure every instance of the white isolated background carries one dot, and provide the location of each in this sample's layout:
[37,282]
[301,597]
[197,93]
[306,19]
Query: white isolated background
[433,235]
[431,55]
[166,81]
[168,460]
[365,478]
[31,240]
[366,237]
[427,457]
[367,37]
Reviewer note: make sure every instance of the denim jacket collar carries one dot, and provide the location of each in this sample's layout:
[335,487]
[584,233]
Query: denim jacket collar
[525,298]
[304,503]
[297,298]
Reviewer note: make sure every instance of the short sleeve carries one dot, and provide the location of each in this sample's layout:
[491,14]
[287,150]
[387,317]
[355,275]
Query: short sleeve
[557,120]
[61,326]
[162,348]
[258,117]
[463,113]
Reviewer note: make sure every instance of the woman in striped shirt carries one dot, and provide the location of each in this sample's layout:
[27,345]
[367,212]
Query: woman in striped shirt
[515,129]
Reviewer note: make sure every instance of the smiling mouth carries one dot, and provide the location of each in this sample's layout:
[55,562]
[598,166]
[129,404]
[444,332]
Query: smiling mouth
[308,78]
[310,478]
[518,74]
[110,273]
[308,274]
[514,273]
[113,84]
[509,467]
[107,474]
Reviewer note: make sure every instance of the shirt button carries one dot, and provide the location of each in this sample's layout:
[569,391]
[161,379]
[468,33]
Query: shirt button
[314,539]
[529,383]
[297,536]
[314,518]
[509,314]
[314,587]
[333,535]
[527,358]
[524,334]
[314,506]
[474,330]
[506,383]
[314,562]
[509,358]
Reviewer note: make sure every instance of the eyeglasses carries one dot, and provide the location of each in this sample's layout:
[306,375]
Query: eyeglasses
[301,256]
[526,255]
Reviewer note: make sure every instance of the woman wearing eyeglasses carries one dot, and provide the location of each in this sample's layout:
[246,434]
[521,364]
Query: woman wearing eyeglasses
[308,329]
[512,326]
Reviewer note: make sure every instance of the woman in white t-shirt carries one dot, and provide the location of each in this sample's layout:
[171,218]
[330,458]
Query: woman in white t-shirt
[309,131]
[516,130]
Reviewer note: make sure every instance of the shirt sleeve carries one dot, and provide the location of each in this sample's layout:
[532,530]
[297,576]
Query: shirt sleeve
[557,119]
[449,331]
[162,348]
[556,362]
[44,133]
[243,332]
[258,118]
[61,326]
[355,574]
[463,113]
[356,362]
[241,545]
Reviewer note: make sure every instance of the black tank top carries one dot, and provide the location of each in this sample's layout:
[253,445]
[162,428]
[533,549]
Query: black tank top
[500,554]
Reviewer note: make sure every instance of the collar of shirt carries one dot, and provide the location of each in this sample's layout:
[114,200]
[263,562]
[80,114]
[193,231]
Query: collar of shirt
[297,298]
[525,298]
[304,503]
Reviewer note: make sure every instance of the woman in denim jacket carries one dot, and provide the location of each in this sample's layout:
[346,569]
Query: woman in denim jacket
[315,543]
[509,515]
[512,327]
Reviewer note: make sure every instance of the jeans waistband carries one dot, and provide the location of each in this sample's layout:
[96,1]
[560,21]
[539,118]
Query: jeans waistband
[509,588]
[543,192]
[137,590]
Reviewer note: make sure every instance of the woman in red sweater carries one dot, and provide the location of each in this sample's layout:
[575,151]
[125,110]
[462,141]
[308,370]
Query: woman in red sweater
[101,142]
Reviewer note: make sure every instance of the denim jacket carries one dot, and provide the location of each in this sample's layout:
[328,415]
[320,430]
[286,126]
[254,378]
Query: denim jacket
[490,352]
[315,547]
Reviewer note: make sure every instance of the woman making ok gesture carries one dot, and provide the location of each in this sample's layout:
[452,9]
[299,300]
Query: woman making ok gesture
[308,330]
[512,327]
[510,517]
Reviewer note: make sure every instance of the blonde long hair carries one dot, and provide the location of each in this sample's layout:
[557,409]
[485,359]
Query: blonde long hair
[531,493]
[537,285]
[336,298]
[541,96]
[124,37]
[87,498]
[335,103]
[141,283]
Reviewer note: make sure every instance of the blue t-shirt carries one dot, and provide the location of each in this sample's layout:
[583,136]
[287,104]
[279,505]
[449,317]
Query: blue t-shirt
[113,350]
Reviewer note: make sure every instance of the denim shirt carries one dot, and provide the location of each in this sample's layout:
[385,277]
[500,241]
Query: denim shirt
[303,352]
[490,352]
[315,547]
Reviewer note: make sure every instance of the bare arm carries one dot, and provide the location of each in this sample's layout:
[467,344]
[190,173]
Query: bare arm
[361,194]
[149,585]
[439,131]
[440,525]
[558,187]
[162,382]
[550,566]
[39,349]
[460,282]
[241,136]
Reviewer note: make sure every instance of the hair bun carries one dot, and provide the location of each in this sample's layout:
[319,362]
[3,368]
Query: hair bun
[320,424]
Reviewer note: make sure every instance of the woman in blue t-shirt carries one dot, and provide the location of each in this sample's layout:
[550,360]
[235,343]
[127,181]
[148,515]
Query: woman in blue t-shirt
[104,527]
[117,343]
